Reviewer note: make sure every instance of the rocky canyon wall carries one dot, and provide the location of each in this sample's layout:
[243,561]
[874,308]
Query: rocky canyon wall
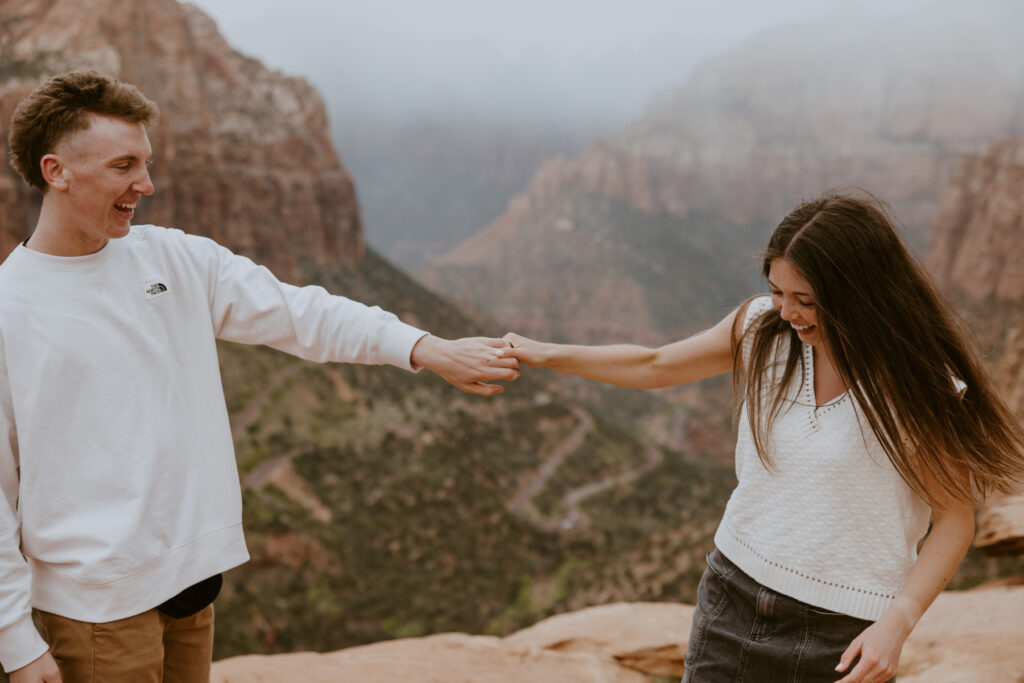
[977,252]
[241,153]
[978,244]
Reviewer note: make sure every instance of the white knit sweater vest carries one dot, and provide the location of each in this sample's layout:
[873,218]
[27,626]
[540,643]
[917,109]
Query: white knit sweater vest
[833,524]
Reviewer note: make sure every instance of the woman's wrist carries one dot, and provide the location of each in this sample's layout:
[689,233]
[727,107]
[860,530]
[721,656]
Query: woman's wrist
[548,354]
[908,609]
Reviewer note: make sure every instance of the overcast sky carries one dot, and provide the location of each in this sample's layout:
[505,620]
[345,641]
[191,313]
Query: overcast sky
[539,58]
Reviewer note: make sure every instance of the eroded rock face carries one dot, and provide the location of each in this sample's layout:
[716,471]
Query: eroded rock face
[968,636]
[646,637]
[978,243]
[977,252]
[1001,526]
[445,658]
[965,636]
[242,153]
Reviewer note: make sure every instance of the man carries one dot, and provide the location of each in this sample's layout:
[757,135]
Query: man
[121,498]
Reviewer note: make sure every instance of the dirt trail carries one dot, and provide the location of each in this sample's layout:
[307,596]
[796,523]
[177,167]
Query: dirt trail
[570,502]
[280,472]
[522,502]
[279,469]
[532,486]
[254,408]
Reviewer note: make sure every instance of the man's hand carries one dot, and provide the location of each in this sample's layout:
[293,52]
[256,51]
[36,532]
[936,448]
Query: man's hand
[468,364]
[42,670]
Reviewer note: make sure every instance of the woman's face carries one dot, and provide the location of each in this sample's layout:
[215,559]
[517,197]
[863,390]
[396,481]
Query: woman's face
[793,299]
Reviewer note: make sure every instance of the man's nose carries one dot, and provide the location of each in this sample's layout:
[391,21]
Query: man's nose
[144,185]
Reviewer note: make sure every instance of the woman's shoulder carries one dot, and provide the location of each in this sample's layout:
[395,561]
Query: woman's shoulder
[754,308]
[749,313]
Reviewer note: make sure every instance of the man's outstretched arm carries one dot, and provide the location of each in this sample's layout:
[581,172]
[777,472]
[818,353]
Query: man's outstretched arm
[469,364]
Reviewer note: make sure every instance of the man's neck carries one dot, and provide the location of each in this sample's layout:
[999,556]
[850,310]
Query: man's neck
[52,236]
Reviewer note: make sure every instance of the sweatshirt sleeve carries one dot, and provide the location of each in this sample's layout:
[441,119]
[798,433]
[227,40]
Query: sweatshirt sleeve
[20,643]
[248,304]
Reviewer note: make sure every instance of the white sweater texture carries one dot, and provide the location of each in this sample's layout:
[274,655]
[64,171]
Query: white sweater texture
[832,524]
[116,460]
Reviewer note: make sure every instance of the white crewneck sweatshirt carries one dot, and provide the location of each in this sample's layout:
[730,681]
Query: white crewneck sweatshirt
[116,463]
[833,525]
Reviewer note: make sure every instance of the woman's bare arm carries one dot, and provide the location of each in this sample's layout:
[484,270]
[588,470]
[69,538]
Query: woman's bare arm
[879,646]
[705,354]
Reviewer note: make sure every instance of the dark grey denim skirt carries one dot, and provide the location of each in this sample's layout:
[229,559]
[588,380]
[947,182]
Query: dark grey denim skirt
[745,633]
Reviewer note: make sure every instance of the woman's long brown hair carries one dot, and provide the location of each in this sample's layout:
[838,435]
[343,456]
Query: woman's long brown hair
[894,342]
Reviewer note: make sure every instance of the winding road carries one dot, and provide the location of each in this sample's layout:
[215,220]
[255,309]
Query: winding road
[573,517]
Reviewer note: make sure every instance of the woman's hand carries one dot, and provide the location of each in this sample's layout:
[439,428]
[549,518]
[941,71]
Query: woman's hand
[525,350]
[880,644]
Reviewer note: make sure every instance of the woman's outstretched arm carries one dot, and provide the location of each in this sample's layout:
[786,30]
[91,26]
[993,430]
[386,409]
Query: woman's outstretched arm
[879,646]
[705,354]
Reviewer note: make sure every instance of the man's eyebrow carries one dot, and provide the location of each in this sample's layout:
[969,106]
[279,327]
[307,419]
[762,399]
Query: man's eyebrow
[130,157]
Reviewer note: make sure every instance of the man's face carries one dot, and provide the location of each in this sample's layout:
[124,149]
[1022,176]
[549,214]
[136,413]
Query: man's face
[106,172]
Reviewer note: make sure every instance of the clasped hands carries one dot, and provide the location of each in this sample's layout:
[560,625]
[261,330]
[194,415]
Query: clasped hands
[470,364]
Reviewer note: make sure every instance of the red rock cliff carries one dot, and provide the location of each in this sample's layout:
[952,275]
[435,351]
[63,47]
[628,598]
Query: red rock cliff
[977,253]
[978,244]
[242,154]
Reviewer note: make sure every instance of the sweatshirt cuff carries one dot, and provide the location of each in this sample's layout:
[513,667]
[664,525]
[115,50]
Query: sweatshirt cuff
[396,343]
[21,644]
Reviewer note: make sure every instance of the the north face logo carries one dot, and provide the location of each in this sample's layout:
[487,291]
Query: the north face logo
[155,289]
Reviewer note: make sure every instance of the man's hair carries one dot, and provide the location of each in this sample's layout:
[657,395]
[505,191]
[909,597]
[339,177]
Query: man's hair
[64,105]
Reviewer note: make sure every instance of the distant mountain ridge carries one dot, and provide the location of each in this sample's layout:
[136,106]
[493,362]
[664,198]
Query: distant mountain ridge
[429,183]
[850,99]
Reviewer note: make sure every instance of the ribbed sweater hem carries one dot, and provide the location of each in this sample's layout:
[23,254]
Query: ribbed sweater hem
[21,644]
[211,553]
[855,601]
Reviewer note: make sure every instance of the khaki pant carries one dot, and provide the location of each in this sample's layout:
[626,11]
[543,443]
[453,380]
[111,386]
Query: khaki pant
[148,648]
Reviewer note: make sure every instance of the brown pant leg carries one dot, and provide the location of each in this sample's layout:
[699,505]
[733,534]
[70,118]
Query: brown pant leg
[188,647]
[128,650]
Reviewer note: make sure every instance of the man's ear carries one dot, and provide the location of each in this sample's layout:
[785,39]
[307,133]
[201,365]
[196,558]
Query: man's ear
[54,172]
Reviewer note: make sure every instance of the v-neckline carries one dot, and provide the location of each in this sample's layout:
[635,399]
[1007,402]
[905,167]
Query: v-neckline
[810,394]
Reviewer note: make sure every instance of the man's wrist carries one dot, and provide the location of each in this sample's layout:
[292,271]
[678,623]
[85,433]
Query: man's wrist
[422,353]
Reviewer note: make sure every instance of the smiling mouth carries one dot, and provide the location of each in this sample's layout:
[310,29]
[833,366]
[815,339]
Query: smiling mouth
[803,329]
[125,207]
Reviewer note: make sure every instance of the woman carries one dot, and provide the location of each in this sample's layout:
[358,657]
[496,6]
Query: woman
[864,413]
